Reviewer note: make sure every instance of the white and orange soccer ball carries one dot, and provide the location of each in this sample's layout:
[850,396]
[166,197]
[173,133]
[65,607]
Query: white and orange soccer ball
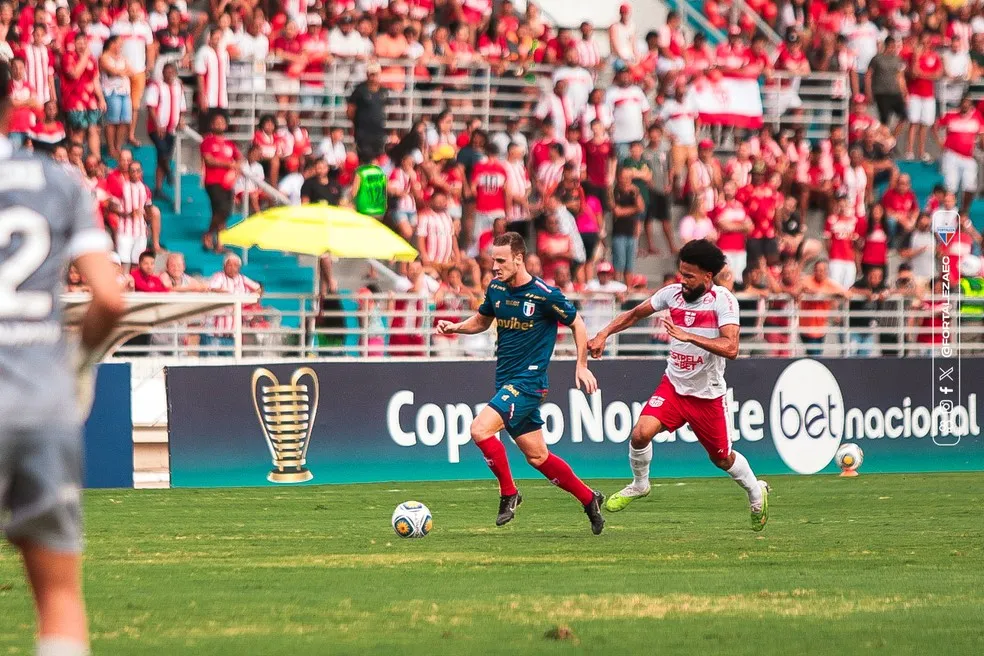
[849,457]
[412,519]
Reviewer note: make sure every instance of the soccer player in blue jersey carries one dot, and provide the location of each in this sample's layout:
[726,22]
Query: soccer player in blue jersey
[526,312]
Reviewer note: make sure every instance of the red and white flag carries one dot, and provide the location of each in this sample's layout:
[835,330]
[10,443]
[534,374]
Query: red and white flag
[729,101]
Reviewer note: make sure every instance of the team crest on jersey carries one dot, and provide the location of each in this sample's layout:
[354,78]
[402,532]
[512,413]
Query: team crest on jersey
[689,317]
[528,309]
[708,299]
[656,401]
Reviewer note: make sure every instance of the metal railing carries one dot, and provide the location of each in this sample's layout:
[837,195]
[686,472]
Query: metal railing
[415,90]
[402,325]
[185,132]
[816,102]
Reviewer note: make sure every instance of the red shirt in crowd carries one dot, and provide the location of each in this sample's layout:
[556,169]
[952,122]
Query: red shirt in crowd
[761,202]
[597,157]
[875,250]
[962,132]
[896,203]
[78,93]
[222,150]
[489,178]
[144,283]
[729,241]
[540,153]
[930,63]
[842,231]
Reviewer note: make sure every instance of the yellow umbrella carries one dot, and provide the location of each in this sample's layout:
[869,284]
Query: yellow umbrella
[318,229]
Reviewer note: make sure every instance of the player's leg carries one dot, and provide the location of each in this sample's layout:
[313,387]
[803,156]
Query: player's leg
[556,470]
[708,419]
[43,497]
[484,430]
[662,412]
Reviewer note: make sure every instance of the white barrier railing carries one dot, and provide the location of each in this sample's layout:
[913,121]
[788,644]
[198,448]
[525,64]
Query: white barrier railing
[401,325]
[816,102]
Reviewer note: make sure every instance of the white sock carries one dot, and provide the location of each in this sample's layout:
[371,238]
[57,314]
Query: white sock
[742,472]
[639,460]
[52,646]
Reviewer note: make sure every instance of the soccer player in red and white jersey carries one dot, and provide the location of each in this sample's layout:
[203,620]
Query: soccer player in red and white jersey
[841,235]
[437,233]
[489,181]
[925,68]
[703,330]
[963,130]
[165,102]
[733,226]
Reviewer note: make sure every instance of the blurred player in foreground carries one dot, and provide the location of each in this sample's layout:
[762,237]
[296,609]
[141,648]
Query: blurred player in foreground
[703,330]
[47,221]
[526,312]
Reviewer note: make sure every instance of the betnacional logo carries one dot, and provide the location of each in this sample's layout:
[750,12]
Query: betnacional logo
[807,416]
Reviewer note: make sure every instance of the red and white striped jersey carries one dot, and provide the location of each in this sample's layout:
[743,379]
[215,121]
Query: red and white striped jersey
[704,185]
[550,174]
[518,180]
[690,369]
[296,142]
[168,101]
[557,110]
[588,53]
[135,197]
[437,232]
[225,322]
[214,66]
[405,201]
[39,65]
[591,112]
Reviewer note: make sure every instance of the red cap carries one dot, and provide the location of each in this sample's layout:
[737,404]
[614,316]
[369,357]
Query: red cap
[351,160]
[624,8]
[605,267]
[706,143]
[293,164]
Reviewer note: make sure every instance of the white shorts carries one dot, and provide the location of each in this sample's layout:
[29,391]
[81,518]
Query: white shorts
[737,260]
[922,111]
[959,172]
[844,273]
[129,247]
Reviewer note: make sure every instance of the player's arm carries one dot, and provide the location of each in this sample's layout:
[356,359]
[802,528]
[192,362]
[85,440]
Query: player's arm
[477,323]
[107,302]
[726,345]
[629,318]
[582,375]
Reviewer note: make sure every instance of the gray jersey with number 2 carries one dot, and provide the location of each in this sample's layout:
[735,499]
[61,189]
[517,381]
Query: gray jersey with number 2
[47,219]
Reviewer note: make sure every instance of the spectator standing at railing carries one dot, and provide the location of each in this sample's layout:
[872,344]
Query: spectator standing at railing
[367,111]
[918,249]
[228,281]
[406,334]
[212,70]
[176,278]
[679,116]
[588,52]
[733,225]
[671,43]
[453,300]
[144,278]
[165,100]
[40,62]
[656,156]
[704,176]
[579,80]
[173,43]
[622,38]
[867,297]
[781,306]
[81,94]
[555,248]
[518,183]
[599,163]
[138,42]
[841,235]
[814,311]
[437,234]
[957,70]
[604,294]
[556,108]
[251,48]
[863,38]
[115,82]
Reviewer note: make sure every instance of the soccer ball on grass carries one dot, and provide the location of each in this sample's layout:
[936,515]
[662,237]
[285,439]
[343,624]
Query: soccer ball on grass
[412,519]
[849,457]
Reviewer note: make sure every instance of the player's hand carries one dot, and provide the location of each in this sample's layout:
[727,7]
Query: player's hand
[583,376]
[675,331]
[596,346]
[446,327]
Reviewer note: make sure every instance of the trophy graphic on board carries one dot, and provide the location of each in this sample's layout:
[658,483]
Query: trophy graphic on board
[286,412]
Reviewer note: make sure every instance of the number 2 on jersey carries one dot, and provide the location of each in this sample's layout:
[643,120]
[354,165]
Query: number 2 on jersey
[20,264]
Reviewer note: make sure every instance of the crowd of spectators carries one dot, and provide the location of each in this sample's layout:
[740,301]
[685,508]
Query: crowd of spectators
[593,179]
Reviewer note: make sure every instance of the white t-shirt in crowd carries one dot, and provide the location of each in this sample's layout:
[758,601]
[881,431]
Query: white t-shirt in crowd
[600,309]
[628,105]
[679,118]
[136,37]
[290,186]
[579,85]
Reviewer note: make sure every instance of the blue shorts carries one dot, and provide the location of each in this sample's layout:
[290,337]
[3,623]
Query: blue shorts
[118,109]
[520,411]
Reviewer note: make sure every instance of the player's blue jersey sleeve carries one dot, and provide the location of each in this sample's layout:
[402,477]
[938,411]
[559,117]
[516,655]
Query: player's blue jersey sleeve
[559,306]
[487,308]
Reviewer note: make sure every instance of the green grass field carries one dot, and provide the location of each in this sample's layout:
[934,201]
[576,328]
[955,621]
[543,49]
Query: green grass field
[893,564]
